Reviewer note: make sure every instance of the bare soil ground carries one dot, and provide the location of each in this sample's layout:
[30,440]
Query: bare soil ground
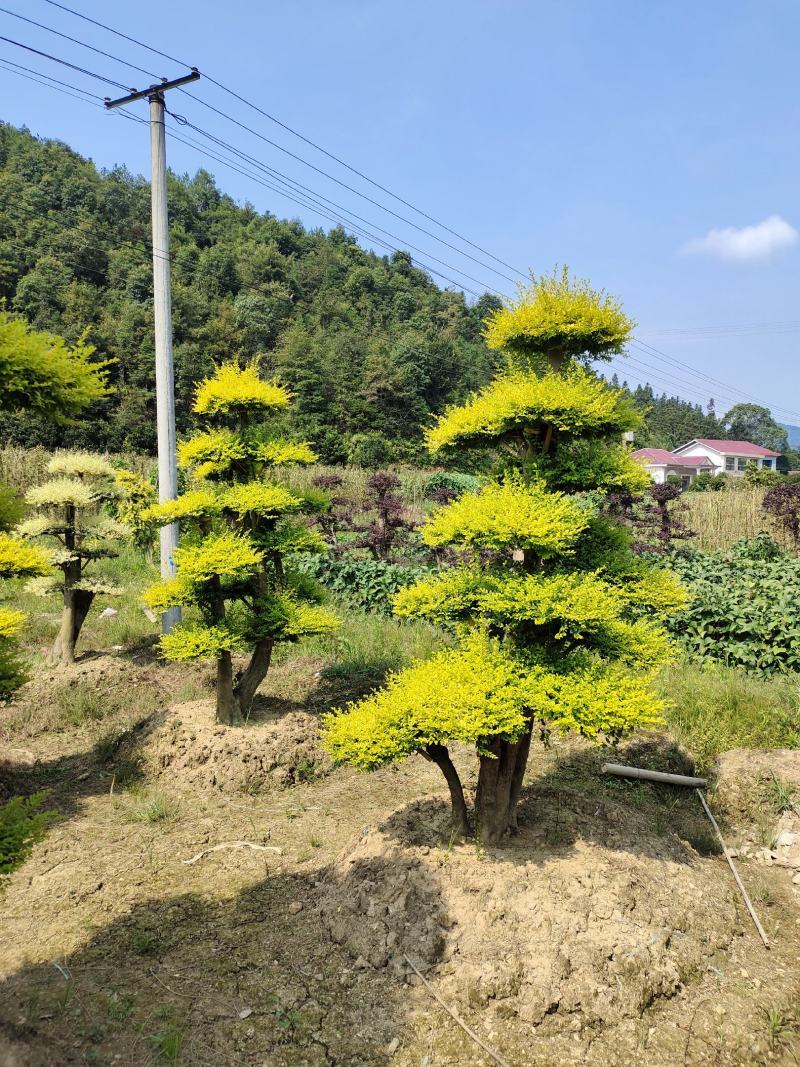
[607,932]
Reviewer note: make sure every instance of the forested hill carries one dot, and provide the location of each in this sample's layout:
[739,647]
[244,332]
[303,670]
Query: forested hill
[671,421]
[369,344]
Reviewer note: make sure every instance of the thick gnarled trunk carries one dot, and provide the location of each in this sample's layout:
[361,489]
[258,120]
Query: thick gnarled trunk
[499,783]
[76,607]
[235,693]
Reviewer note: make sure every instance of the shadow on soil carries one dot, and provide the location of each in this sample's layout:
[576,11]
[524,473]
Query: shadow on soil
[572,800]
[253,979]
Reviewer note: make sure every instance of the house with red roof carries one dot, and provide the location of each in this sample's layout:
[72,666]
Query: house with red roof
[704,455]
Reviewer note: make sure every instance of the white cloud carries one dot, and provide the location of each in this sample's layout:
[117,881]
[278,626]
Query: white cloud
[747,244]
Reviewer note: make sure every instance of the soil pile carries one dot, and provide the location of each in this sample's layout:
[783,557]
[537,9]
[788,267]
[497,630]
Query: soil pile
[585,919]
[759,794]
[191,749]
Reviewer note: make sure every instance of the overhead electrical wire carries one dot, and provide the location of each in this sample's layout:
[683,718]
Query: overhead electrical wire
[294,132]
[65,63]
[306,190]
[286,151]
[75,40]
[304,195]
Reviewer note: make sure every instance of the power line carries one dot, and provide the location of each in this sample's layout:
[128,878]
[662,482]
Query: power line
[307,140]
[64,63]
[75,40]
[657,352]
[293,155]
[279,175]
[8,64]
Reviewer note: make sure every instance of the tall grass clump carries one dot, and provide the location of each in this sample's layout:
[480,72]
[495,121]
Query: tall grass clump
[712,709]
[720,519]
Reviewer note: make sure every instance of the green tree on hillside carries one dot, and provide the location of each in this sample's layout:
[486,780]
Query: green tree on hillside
[232,566]
[751,422]
[556,622]
[368,344]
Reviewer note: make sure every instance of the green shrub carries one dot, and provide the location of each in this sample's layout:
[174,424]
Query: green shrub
[22,824]
[454,482]
[744,609]
[712,709]
[367,584]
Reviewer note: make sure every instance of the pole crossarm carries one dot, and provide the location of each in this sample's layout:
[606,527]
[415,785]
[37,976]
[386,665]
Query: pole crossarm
[160,87]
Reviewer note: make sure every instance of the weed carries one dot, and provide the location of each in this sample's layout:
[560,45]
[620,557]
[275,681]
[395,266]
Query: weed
[779,794]
[143,942]
[314,841]
[167,1043]
[781,1026]
[306,771]
[80,704]
[155,809]
[713,709]
[119,1008]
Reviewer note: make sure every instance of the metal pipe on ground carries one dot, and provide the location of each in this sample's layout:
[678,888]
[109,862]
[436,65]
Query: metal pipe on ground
[662,777]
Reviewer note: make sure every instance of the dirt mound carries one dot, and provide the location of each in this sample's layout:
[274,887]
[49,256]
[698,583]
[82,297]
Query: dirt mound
[585,919]
[191,749]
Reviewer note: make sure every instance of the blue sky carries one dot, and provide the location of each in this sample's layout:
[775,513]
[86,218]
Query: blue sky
[613,136]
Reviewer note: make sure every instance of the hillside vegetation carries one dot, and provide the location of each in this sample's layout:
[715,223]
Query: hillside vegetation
[369,345]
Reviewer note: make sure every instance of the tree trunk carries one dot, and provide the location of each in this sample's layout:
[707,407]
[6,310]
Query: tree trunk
[248,682]
[441,757]
[227,704]
[235,694]
[76,607]
[499,783]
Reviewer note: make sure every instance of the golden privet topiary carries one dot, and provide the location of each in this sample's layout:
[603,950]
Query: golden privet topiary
[242,523]
[557,623]
[70,520]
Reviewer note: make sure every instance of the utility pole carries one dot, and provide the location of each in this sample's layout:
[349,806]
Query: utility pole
[162,303]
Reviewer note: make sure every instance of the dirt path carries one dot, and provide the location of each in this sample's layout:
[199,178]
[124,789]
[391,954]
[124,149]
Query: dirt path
[117,951]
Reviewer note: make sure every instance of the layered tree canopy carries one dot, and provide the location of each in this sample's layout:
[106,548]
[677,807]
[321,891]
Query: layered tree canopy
[557,625]
[239,523]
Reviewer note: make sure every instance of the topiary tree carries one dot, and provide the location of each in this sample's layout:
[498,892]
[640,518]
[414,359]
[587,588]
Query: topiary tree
[232,568]
[71,518]
[658,521]
[556,621]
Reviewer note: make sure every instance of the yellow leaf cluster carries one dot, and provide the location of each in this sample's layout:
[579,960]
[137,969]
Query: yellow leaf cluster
[509,514]
[192,505]
[19,559]
[234,390]
[227,556]
[62,492]
[522,404]
[259,498]
[283,453]
[562,315]
[80,465]
[11,622]
[187,643]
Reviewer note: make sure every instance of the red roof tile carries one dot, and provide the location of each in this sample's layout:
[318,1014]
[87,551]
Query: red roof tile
[660,456]
[736,448]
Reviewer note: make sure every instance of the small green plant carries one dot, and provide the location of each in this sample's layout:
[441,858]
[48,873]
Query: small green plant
[167,1043]
[119,1008]
[80,704]
[156,809]
[306,771]
[779,794]
[144,942]
[781,1026]
[22,824]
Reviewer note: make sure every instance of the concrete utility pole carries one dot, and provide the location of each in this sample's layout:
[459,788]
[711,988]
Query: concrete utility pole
[162,301]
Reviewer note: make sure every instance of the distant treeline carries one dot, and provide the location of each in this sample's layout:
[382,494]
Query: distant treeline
[369,344]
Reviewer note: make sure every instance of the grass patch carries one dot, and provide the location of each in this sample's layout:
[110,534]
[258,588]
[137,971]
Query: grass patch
[713,709]
[371,645]
[153,808]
